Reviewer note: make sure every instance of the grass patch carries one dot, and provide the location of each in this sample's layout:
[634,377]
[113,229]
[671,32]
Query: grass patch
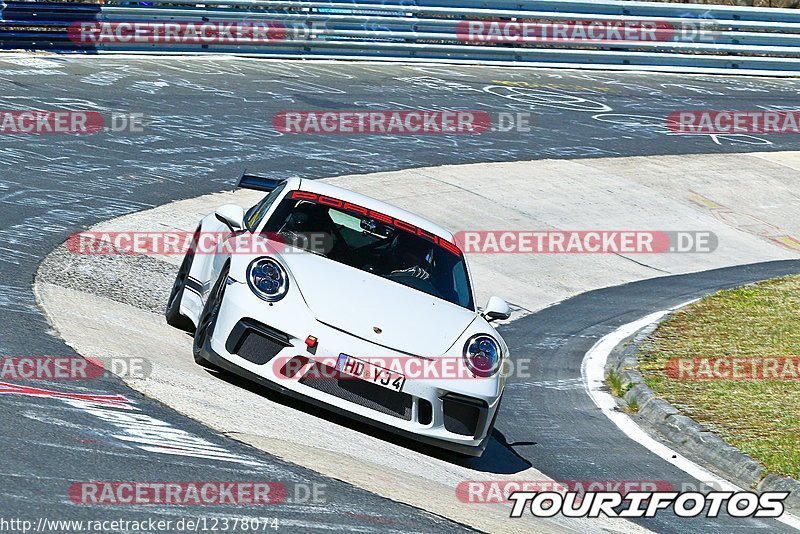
[759,417]
[614,383]
[619,389]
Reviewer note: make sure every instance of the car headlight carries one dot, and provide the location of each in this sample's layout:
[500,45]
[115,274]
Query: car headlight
[267,279]
[483,355]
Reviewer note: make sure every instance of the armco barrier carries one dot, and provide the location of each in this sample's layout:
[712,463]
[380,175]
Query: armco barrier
[578,33]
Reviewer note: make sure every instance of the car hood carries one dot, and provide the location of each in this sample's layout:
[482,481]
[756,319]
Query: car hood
[358,303]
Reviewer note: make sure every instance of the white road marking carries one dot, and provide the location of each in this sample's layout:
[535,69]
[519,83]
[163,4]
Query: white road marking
[593,374]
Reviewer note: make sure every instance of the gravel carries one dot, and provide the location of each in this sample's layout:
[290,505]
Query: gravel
[134,279]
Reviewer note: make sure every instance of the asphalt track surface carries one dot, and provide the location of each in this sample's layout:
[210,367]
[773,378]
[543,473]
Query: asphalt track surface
[566,436]
[211,118]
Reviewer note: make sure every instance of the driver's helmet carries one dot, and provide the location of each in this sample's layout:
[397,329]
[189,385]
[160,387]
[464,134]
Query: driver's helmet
[412,251]
[307,217]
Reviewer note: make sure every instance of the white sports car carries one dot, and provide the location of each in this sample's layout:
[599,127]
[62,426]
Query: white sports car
[350,304]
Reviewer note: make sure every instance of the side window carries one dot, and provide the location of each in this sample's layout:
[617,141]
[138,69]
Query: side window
[461,285]
[254,215]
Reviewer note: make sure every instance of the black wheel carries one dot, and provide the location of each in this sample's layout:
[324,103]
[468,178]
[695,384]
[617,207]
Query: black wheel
[208,319]
[173,311]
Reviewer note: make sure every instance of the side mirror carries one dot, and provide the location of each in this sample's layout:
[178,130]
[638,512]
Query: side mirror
[496,308]
[231,215]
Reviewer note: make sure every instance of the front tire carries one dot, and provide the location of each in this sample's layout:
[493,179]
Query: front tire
[208,319]
[173,311]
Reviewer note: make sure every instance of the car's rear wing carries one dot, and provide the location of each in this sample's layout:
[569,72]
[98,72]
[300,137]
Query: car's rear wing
[259,183]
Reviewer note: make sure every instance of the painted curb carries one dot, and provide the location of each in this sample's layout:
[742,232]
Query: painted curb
[686,435]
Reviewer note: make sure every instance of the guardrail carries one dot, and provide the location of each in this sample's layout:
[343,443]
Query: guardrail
[585,33]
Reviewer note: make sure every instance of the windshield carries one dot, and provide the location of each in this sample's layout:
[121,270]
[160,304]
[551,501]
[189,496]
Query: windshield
[373,242]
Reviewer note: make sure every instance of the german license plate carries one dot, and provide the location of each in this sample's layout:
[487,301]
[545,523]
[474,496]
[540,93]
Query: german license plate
[370,372]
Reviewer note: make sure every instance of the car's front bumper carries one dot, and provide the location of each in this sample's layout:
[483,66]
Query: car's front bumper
[454,414]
